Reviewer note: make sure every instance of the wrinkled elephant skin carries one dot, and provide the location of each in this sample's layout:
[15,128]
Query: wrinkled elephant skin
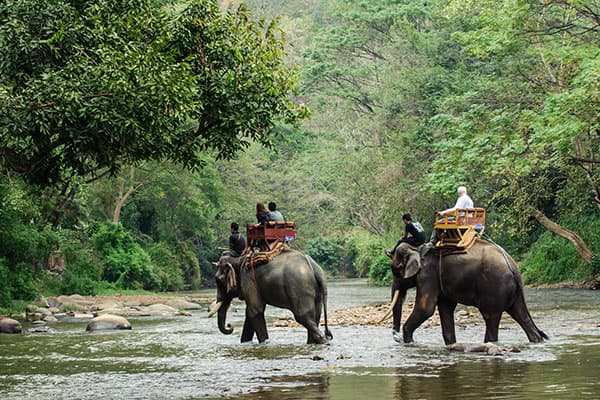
[485,277]
[291,280]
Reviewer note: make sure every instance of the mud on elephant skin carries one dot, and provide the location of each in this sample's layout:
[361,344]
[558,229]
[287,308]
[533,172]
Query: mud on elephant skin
[485,277]
[292,280]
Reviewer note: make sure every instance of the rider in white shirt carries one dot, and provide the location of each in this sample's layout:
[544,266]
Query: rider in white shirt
[463,201]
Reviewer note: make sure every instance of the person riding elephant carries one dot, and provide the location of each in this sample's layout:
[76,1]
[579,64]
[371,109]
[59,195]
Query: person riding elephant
[290,280]
[485,277]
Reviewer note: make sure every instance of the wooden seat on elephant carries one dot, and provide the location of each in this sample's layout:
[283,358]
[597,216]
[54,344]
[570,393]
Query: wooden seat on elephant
[268,235]
[460,229]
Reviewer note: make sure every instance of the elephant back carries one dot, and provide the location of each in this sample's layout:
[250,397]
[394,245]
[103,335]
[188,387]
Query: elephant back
[255,259]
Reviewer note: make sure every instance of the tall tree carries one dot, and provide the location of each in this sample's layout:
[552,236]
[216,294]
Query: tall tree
[529,124]
[88,86]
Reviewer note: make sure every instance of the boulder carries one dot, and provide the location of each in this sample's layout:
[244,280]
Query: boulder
[160,309]
[106,305]
[107,322]
[41,329]
[9,325]
[182,304]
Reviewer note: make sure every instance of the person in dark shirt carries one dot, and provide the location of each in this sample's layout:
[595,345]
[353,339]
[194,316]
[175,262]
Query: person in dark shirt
[414,234]
[262,213]
[237,243]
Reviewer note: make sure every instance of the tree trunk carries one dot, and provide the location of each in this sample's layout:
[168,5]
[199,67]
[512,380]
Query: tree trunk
[579,244]
[122,196]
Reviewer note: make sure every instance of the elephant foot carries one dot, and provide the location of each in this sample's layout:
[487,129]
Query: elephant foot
[320,339]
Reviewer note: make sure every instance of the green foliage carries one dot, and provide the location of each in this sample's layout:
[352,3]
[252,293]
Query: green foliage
[366,249]
[553,259]
[82,272]
[380,272]
[331,254]
[25,247]
[167,267]
[5,289]
[88,86]
[124,261]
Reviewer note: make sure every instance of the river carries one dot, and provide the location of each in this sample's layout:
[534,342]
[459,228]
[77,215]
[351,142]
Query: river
[188,358]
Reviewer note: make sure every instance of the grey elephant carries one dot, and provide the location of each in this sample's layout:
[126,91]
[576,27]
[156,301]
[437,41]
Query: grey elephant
[485,277]
[291,280]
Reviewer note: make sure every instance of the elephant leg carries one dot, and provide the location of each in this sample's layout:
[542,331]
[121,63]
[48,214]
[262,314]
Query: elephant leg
[492,323]
[248,331]
[255,317]
[518,311]
[312,327]
[260,327]
[424,308]
[446,309]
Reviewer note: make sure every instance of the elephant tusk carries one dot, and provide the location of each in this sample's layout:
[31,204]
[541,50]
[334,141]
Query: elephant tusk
[388,314]
[214,310]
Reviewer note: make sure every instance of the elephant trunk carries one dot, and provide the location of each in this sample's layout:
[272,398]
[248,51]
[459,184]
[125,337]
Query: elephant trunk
[226,329]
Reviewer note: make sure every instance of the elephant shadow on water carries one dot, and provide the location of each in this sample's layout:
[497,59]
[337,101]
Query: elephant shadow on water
[291,280]
[485,277]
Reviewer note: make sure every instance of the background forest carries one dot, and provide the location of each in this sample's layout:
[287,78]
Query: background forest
[134,132]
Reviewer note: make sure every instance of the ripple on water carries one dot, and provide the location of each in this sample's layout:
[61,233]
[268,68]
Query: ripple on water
[187,358]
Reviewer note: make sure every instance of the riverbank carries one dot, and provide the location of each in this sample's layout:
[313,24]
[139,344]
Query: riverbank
[588,285]
[49,310]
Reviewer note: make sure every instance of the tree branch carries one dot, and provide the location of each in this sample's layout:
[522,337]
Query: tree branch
[580,246]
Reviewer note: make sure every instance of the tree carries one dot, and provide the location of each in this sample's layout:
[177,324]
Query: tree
[528,125]
[89,86]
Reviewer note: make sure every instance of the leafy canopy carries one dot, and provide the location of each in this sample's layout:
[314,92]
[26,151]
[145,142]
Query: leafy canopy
[86,86]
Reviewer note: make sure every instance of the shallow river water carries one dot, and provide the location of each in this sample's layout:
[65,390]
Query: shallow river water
[188,358]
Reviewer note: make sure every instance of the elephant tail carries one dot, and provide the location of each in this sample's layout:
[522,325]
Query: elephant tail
[320,277]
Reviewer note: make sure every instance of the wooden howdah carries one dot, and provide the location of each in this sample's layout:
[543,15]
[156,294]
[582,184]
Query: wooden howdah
[460,229]
[267,235]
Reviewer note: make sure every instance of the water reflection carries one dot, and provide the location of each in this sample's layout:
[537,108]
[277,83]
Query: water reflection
[187,358]
[467,379]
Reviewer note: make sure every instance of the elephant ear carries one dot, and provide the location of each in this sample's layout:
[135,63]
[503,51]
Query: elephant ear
[231,281]
[413,265]
[412,260]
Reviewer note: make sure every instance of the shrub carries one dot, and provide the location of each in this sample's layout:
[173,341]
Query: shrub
[5,296]
[167,267]
[124,261]
[553,259]
[380,271]
[366,248]
[332,254]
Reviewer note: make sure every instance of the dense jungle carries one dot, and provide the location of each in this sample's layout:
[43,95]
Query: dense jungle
[133,132]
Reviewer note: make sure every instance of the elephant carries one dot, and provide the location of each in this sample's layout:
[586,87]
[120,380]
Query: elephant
[485,276]
[290,280]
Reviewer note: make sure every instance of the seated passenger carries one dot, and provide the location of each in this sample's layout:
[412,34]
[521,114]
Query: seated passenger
[463,201]
[414,234]
[262,213]
[275,215]
[237,243]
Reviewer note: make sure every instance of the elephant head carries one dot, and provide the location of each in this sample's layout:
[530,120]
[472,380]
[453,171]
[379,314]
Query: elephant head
[227,277]
[406,263]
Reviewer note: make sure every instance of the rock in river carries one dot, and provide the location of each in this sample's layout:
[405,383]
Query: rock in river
[9,325]
[107,322]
